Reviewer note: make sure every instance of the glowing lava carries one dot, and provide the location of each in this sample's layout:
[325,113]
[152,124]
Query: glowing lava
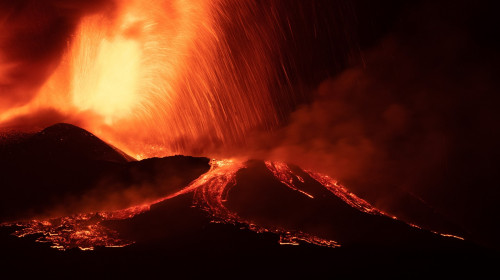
[210,193]
[86,232]
[106,68]
[159,77]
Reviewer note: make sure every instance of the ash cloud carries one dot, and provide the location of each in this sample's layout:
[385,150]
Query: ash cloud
[416,114]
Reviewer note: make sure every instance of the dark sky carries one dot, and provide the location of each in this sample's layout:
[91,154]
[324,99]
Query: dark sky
[409,100]
[439,62]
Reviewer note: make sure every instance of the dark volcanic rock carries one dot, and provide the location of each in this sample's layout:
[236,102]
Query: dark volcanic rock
[174,231]
[64,169]
[260,197]
[62,141]
[41,170]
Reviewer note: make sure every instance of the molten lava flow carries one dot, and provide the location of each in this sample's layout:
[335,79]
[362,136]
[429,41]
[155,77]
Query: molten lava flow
[83,231]
[79,231]
[286,176]
[86,232]
[210,193]
[341,192]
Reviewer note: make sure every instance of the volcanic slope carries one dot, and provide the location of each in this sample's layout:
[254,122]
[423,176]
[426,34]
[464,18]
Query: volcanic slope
[297,205]
[246,215]
[64,169]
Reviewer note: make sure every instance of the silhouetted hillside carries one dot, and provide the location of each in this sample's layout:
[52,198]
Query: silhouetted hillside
[64,169]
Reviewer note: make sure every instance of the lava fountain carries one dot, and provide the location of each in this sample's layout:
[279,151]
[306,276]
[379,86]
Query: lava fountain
[160,77]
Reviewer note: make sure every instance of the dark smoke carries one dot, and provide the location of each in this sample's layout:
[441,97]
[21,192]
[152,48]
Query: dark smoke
[416,114]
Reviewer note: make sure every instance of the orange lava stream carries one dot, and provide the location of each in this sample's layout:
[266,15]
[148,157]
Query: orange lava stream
[86,232]
[285,175]
[342,192]
[82,231]
[210,192]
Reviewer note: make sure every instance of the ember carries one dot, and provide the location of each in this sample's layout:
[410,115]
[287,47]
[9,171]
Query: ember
[169,76]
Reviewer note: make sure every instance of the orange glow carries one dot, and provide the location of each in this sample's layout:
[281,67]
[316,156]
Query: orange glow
[210,192]
[106,69]
[450,235]
[342,192]
[162,77]
[85,231]
[79,231]
[286,176]
[156,78]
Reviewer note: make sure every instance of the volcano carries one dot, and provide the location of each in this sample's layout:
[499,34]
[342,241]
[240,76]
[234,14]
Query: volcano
[64,165]
[72,196]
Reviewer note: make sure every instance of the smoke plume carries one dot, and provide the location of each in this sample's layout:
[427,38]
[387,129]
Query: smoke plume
[417,114]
